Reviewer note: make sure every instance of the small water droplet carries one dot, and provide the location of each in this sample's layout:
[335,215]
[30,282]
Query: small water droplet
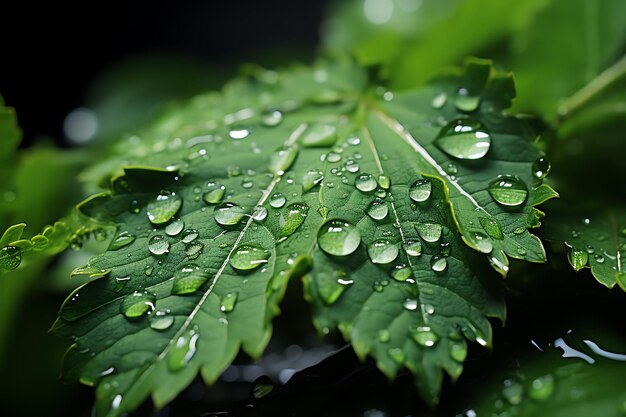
[465,101]
[599,258]
[382,251]
[292,219]
[464,139]
[319,135]
[164,207]
[439,100]
[428,309]
[137,304]
[239,133]
[161,320]
[352,166]
[229,214]
[438,263]
[384,335]
[508,190]
[410,304]
[424,336]
[158,245]
[492,227]
[338,238]
[246,257]
[260,214]
[183,351]
[378,209]
[458,351]
[590,250]
[135,208]
[188,279]
[365,182]
[396,354]
[271,118]
[124,238]
[384,181]
[10,257]
[413,247]
[277,200]
[451,169]
[482,242]
[541,167]
[430,232]
[194,250]
[420,190]
[100,234]
[175,227]
[311,179]
[542,388]
[189,235]
[215,194]
[282,159]
[228,302]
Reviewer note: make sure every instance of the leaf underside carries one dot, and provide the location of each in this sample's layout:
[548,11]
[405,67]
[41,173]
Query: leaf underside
[306,173]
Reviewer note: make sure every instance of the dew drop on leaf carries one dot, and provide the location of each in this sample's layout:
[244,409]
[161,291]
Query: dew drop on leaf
[508,190]
[229,214]
[384,335]
[260,214]
[164,207]
[465,101]
[282,159]
[189,235]
[458,351]
[424,336]
[277,200]
[319,135]
[464,139]
[382,251]
[137,304]
[311,179]
[401,272]
[365,182]
[182,352]
[194,250]
[378,209]
[420,190]
[227,304]
[384,181]
[239,133]
[215,194]
[413,247]
[492,227]
[430,232]
[352,166]
[410,304]
[541,167]
[271,118]
[175,227]
[161,320]
[158,245]
[100,234]
[246,257]
[482,242]
[188,279]
[292,218]
[338,237]
[439,100]
[10,257]
[542,388]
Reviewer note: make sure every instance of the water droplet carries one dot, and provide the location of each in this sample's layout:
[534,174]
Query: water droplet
[158,245]
[444,248]
[365,182]
[228,302]
[599,258]
[148,270]
[182,352]
[384,181]
[10,258]
[413,247]
[410,304]
[396,354]
[175,227]
[100,234]
[292,219]
[189,235]
[384,335]
[247,183]
[215,194]
[161,320]
[578,258]
[271,118]
[542,388]
[430,232]
[465,101]
[246,257]
[458,351]
[420,190]
[135,207]
[188,279]
[194,250]
[164,207]
[229,214]
[331,289]
[424,336]
[259,214]
[451,169]
[541,167]
[508,190]
[282,159]
[277,200]
[382,251]
[352,166]
[320,135]
[338,237]
[439,100]
[378,209]
[590,250]
[513,392]
[438,263]
[311,179]
[239,133]
[401,272]
[122,239]
[482,242]
[492,227]
[137,304]
[464,139]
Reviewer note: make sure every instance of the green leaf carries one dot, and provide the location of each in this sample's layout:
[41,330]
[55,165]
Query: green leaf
[302,173]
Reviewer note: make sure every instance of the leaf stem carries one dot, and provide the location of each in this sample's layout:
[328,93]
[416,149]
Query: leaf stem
[593,89]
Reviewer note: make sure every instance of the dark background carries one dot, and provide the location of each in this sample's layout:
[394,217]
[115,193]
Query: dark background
[51,52]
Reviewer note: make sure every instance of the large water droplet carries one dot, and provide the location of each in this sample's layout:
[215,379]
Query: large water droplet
[246,257]
[378,209]
[311,179]
[182,352]
[508,190]
[188,279]
[365,182]
[229,214]
[338,237]
[464,139]
[413,247]
[465,101]
[158,245]
[492,227]
[410,304]
[164,207]
[382,251]
[282,159]
[424,336]
[319,135]
[137,304]
[175,227]
[227,304]
[277,200]
[122,239]
[10,257]
[292,219]
[438,263]
[482,243]
[541,167]
[430,232]
[161,320]
[215,194]
[420,190]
